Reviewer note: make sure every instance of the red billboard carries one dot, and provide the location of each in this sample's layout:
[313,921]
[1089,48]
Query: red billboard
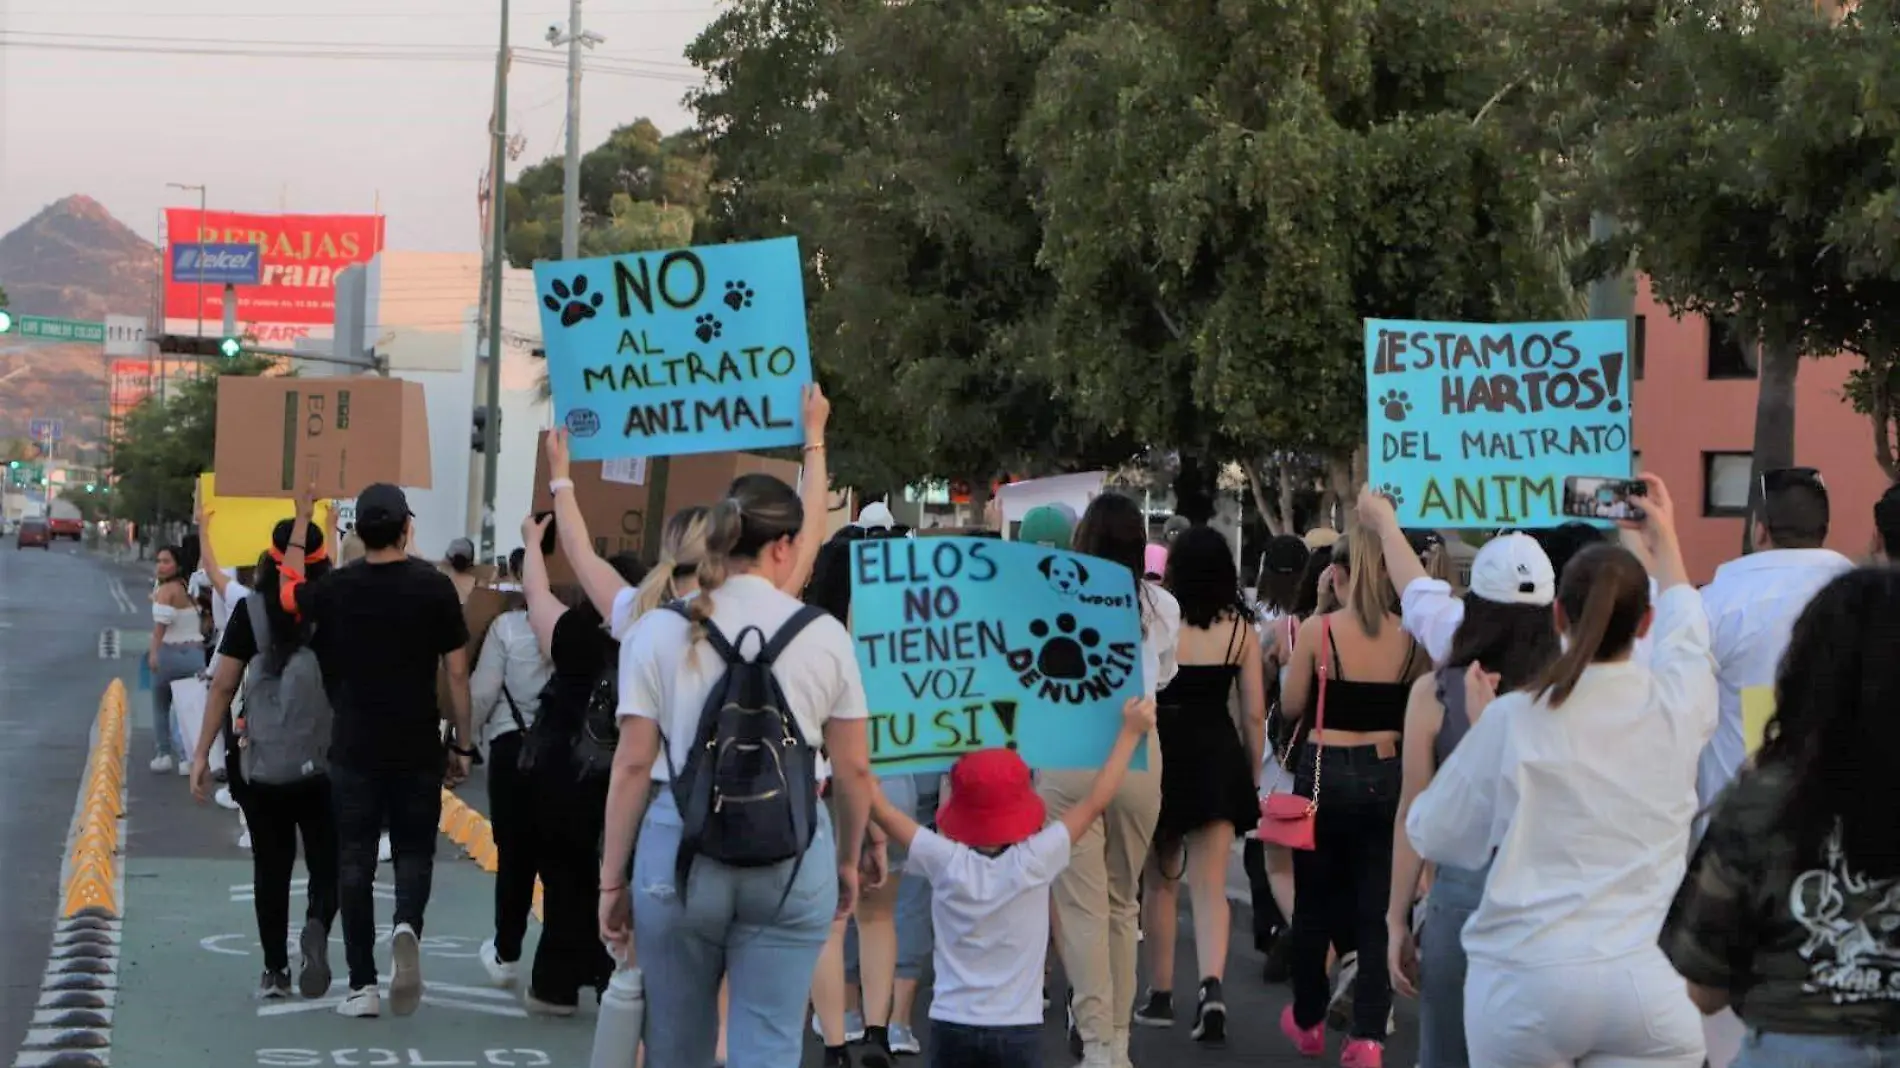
[300,258]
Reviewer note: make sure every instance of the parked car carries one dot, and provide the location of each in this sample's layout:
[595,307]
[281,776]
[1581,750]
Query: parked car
[34,532]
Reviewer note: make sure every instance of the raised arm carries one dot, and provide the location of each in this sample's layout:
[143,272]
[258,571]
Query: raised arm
[544,609]
[1681,662]
[1138,719]
[597,577]
[816,491]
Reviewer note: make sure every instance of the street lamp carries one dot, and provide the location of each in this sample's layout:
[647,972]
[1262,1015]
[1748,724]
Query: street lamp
[200,190]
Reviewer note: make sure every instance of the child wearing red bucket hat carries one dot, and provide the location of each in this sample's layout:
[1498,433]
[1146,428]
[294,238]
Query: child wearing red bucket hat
[990,864]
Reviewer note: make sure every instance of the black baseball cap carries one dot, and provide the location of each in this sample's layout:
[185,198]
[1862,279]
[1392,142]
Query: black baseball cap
[382,505]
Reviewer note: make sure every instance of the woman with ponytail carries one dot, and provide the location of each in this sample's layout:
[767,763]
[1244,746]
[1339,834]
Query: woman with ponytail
[762,926]
[1579,790]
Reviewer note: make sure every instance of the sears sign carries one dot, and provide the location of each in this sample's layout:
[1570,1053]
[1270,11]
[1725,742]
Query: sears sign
[217,265]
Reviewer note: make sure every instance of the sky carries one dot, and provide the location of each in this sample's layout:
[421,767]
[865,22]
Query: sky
[321,106]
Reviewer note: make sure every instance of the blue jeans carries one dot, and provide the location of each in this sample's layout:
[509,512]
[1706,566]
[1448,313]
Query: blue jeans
[918,795]
[1455,895]
[954,1045]
[737,923]
[175,661]
[1769,1050]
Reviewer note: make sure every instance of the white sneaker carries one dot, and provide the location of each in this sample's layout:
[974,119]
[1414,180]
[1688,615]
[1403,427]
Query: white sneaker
[405,985]
[382,849]
[500,972]
[364,1003]
[225,800]
[184,769]
[244,841]
[904,1040]
[162,764]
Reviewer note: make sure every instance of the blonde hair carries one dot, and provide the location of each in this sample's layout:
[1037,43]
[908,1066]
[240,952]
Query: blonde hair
[1369,594]
[682,544]
[351,549]
[758,510]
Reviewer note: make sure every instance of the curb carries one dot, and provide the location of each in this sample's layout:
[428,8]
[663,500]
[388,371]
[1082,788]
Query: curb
[471,830]
[72,1025]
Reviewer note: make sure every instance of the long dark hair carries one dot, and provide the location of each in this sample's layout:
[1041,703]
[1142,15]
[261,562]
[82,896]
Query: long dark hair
[1834,729]
[1605,594]
[1517,641]
[1306,601]
[1202,576]
[830,585]
[287,634]
[181,566]
[1114,529]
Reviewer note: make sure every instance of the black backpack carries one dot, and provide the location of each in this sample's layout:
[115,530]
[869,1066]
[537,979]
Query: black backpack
[748,795]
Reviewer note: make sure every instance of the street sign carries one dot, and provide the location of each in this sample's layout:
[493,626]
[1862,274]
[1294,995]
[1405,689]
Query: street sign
[217,265]
[45,431]
[125,335]
[42,328]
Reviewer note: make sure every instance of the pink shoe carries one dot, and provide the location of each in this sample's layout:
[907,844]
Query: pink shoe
[1362,1053]
[1309,1041]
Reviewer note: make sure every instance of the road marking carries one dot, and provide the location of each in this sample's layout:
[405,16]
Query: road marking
[120,598]
[488,1003]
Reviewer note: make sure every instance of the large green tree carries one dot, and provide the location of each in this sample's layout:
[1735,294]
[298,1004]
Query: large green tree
[1227,190]
[1754,173]
[163,446]
[640,190]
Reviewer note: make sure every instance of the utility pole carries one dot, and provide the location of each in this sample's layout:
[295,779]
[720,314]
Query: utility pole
[497,202]
[200,190]
[574,39]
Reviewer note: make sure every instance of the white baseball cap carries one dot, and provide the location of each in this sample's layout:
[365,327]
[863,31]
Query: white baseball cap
[1513,569]
[876,516]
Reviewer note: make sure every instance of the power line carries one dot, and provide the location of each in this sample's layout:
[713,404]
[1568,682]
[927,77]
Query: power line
[8,42]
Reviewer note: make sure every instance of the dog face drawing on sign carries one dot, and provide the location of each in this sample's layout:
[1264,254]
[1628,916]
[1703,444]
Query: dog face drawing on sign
[1065,575]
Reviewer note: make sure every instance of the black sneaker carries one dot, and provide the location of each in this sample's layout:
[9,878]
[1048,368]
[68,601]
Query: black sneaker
[1158,1011]
[1210,1015]
[313,969]
[1279,966]
[274,985]
[1075,1033]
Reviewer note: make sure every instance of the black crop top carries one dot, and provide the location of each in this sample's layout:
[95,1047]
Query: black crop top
[1364,707]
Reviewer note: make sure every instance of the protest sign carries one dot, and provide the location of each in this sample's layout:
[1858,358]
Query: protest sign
[669,353]
[1478,425]
[975,643]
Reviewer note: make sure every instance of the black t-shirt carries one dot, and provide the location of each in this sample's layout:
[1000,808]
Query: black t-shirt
[381,631]
[238,642]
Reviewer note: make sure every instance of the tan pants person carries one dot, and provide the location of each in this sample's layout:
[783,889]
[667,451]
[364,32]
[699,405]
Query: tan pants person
[1097,907]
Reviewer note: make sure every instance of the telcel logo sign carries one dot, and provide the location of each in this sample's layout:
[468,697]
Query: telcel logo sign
[217,264]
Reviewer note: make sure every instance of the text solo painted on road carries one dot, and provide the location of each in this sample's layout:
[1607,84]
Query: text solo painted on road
[668,353]
[974,643]
[1478,425]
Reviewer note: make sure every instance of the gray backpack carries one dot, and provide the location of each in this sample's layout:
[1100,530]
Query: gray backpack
[285,733]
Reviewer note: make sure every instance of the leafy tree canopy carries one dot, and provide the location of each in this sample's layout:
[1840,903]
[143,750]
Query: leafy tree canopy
[162,447]
[640,190]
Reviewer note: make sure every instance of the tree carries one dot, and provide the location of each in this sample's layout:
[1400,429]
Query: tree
[1754,173]
[162,447]
[3,296]
[1228,190]
[640,190]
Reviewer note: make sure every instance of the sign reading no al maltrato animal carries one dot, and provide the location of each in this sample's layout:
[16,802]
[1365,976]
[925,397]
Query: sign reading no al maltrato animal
[975,643]
[668,353]
[1478,425]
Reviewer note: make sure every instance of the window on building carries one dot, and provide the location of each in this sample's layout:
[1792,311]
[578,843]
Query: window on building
[1639,342]
[1725,482]
[1728,358]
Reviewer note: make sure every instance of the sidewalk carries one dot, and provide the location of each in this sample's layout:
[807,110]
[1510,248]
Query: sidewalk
[191,960]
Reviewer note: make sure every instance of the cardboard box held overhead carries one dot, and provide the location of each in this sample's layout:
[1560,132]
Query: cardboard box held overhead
[241,526]
[275,435]
[626,505]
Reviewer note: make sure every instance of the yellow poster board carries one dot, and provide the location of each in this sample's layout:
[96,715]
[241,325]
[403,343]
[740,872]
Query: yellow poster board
[1758,707]
[241,526]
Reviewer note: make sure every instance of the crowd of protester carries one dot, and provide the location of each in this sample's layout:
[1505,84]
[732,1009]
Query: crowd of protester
[1519,785]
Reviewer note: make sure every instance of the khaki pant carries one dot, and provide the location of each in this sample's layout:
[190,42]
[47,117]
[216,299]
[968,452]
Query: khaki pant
[1096,897]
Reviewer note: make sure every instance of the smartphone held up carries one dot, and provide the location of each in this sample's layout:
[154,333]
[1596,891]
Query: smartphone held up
[1612,499]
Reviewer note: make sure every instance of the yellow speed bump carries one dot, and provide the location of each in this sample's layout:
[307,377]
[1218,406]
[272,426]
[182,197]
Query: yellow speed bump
[92,860]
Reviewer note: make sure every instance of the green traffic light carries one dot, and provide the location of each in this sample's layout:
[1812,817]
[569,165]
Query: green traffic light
[91,487]
[6,321]
[231,348]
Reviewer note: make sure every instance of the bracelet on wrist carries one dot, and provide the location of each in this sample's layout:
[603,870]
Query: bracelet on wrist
[559,484]
[819,447]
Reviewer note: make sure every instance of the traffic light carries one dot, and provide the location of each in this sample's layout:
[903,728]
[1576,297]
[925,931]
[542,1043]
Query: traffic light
[218,348]
[6,321]
[478,436]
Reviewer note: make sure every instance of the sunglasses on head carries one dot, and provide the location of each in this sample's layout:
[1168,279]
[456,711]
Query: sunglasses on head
[1782,478]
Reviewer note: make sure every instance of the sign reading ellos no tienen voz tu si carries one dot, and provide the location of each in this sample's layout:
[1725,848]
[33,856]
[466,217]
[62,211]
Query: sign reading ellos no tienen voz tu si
[668,353]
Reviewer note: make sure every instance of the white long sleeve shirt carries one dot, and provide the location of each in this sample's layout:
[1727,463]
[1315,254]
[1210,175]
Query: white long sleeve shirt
[511,657]
[1587,805]
[1430,613]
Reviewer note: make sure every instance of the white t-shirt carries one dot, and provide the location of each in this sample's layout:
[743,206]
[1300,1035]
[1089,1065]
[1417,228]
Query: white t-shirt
[992,922]
[818,670]
[1160,639]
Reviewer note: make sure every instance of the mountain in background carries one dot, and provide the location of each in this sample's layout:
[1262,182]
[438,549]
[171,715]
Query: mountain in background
[73,260]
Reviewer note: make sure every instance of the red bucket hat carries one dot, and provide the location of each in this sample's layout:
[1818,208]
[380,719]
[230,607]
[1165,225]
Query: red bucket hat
[992,802]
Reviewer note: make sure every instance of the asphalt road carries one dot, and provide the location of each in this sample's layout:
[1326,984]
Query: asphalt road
[190,952]
[53,606]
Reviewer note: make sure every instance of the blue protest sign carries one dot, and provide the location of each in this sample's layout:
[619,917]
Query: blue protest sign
[1478,425]
[668,353]
[976,643]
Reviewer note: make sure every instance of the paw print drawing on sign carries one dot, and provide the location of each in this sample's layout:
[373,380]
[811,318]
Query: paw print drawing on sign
[738,295]
[707,328]
[1066,652]
[1387,489]
[1397,405]
[573,300]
